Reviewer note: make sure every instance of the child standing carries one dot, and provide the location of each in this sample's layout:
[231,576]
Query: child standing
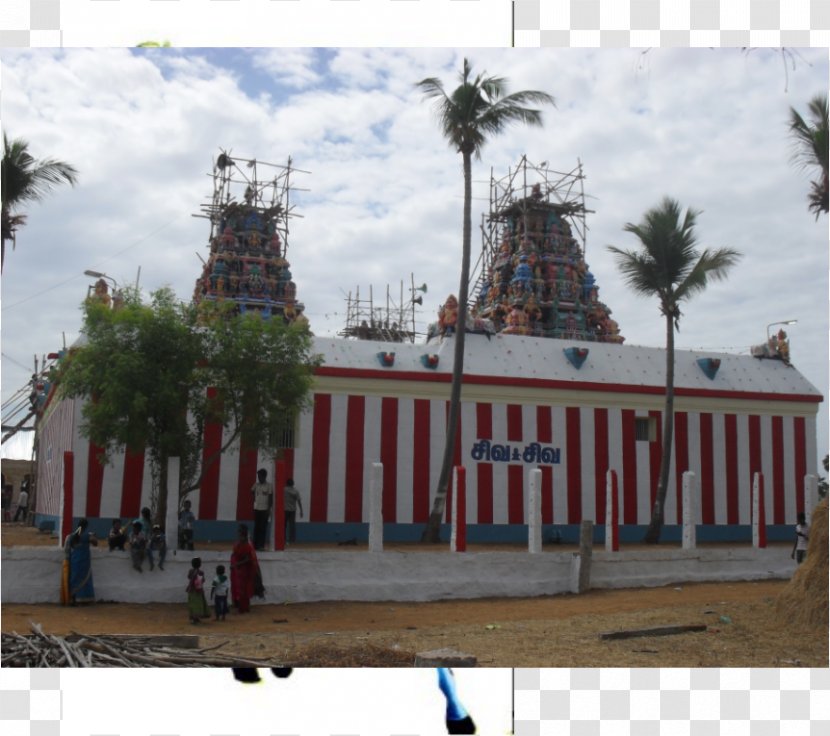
[138,545]
[158,543]
[219,592]
[196,603]
[802,536]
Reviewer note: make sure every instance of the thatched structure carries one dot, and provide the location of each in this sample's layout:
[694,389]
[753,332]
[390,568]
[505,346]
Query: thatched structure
[804,602]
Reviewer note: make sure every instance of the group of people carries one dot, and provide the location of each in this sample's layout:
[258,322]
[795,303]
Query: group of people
[244,582]
[146,540]
[264,502]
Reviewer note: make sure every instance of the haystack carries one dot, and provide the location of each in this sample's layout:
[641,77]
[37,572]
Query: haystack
[804,602]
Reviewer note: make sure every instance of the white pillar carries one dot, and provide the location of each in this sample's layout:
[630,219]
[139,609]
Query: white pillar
[612,511]
[756,508]
[171,518]
[689,509]
[810,495]
[534,512]
[376,508]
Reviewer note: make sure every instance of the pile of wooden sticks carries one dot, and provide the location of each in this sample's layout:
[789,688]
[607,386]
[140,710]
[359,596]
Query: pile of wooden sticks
[84,650]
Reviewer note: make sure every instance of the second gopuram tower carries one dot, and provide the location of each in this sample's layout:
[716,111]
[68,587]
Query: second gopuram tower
[534,278]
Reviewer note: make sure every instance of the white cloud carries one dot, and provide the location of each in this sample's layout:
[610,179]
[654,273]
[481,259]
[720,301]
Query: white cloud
[707,127]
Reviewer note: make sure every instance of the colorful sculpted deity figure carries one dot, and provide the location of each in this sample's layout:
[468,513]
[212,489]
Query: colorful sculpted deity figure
[102,293]
[448,315]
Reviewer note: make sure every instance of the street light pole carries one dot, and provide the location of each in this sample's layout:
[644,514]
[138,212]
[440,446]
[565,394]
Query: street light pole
[785,322]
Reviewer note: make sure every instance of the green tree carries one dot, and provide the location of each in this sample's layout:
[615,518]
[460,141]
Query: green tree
[25,179]
[669,266]
[261,370]
[145,370]
[136,366]
[810,150]
[476,110]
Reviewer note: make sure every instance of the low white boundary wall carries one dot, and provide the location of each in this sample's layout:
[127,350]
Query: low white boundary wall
[32,574]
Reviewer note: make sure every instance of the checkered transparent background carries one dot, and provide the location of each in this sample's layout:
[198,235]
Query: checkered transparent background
[577,702]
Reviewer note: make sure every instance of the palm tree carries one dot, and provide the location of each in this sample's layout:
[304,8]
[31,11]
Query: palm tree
[477,109]
[810,146]
[669,267]
[25,180]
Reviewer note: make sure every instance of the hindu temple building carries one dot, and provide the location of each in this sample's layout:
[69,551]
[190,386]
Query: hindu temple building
[548,384]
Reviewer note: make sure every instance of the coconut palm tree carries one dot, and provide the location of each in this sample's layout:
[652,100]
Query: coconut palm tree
[810,149]
[25,179]
[670,267]
[476,110]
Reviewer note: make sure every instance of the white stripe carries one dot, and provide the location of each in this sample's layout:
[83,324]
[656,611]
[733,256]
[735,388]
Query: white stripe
[530,433]
[587,438]
[642,451]
[766,467]
[228,482]
[719,466]
[437,433]
[744,477]
[302,458]
[500,469]
[371,447]
[790,493]
[615,451]
[336,496]
[694,460]
[469,435]
[560,472]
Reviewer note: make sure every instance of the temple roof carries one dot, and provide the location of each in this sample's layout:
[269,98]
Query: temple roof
[539,361]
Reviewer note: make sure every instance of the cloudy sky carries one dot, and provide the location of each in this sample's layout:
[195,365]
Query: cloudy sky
[384,193]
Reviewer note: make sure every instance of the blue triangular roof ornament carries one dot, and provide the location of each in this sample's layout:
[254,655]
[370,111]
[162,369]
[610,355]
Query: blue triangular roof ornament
[709,366]
[576,356]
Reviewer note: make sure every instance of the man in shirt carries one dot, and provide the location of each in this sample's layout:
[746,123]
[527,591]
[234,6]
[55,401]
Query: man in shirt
[292,501]
[263,498]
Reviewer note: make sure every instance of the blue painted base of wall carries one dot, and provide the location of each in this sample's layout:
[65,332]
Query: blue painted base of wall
[226,531]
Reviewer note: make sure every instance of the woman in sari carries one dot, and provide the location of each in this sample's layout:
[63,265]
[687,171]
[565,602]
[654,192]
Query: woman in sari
[76,579]
[246,580]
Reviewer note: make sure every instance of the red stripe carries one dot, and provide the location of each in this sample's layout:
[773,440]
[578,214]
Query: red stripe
[574,440]
[600,461]
[355,419]
[629,466]
[515,503]
[681,457]
[778,489]
[552,385]
[420,462]
[321,425]
[515,473]
[762,514]
[544,435]
[288,457]
[212,463]
[707,471]
[655,457]
[389,456]
[800,454]
[68,494]
[245,479]
[131,484]
[94,480]
[280,476]
[484,431]
[730,422]
[754,446]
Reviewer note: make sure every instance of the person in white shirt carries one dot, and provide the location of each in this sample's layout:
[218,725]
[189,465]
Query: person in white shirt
[22,505]
[263,499]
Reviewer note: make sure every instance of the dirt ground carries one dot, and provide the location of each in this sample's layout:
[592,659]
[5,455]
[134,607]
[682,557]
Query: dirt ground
[742,628]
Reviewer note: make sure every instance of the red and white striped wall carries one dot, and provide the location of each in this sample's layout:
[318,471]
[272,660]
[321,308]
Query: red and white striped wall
[362,413]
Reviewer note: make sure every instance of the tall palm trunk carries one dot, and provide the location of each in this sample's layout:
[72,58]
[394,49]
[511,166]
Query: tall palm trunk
[653,532]
[433,529]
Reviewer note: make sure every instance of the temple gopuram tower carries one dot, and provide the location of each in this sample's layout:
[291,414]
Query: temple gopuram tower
[534,278]
[247,264]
